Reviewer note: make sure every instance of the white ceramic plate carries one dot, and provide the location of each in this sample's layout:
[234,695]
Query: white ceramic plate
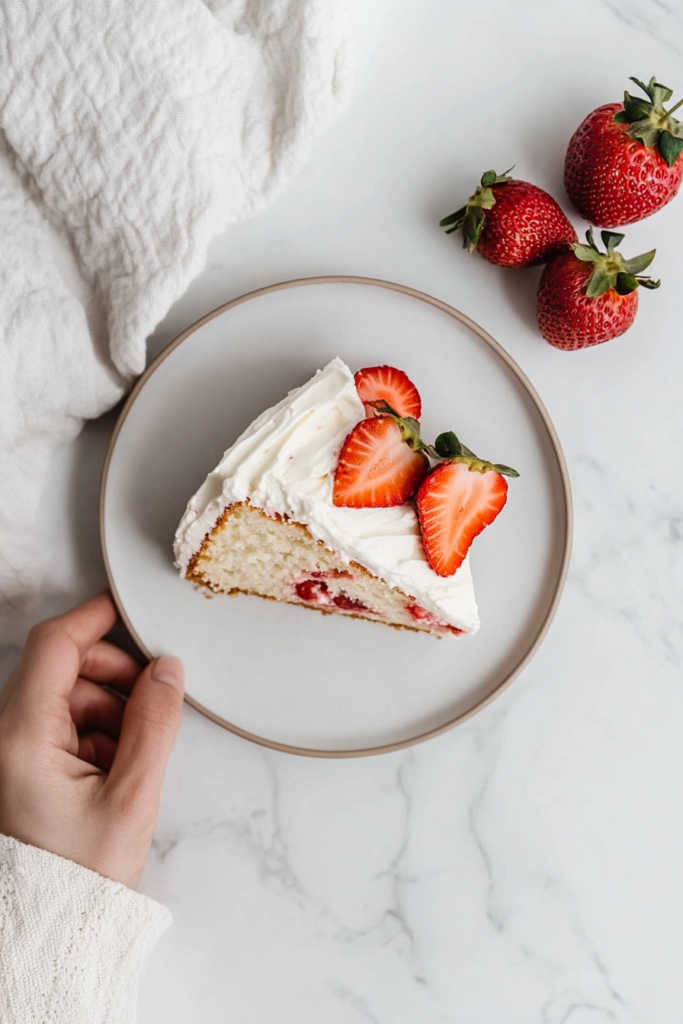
[281,675]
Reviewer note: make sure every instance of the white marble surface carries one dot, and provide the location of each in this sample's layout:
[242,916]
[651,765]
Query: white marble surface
[525,868]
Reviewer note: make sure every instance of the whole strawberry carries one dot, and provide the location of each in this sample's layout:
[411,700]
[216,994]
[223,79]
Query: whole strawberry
[624,161]
[586,297]
[512,223]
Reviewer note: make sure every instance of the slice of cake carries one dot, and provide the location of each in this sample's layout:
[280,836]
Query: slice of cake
[311,506]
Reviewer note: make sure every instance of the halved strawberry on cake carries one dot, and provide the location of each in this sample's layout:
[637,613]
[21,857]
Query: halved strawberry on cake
[318,503]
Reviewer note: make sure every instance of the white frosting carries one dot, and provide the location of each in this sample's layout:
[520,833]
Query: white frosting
[285,462]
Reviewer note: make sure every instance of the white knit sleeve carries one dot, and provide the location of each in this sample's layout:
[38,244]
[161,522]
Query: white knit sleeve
[72,943]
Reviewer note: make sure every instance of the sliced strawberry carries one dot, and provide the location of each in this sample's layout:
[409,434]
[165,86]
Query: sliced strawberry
[387,384]
[454,504]
[376,467]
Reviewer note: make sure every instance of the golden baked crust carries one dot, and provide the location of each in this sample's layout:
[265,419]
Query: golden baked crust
[195,575]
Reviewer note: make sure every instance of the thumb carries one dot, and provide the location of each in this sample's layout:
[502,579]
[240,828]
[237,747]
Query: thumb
[151,720]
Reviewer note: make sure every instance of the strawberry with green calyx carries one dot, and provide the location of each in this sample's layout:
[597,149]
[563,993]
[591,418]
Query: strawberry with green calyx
[586,297]
[460,497]
[650,122]
[384,462]
[624,161]
[610,269]
[511,222]
[376,467]
[472,216]
[448,447]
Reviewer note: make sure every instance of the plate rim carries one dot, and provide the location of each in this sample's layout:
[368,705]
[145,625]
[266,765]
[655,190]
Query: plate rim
[531,391]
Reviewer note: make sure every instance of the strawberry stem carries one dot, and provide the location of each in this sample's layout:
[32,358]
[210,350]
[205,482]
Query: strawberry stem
[650,123]
[471,216]
[610,269]
[446,448]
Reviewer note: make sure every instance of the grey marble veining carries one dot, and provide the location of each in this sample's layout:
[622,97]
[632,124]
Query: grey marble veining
[660,21]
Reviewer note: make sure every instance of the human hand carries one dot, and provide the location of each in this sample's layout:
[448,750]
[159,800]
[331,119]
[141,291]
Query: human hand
[80,768]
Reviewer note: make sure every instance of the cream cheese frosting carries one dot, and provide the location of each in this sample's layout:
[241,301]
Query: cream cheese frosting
[285,462]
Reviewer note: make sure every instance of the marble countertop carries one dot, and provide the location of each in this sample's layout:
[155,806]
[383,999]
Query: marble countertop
[524,868]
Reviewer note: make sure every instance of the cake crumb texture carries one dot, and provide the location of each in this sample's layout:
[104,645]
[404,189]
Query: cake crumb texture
[267,555]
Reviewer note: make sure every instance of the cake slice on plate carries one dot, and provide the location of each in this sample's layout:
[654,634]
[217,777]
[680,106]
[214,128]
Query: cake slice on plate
[312,505]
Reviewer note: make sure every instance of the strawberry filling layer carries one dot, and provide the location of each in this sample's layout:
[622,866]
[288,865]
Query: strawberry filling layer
[426,618]
[331,574]
[314,590]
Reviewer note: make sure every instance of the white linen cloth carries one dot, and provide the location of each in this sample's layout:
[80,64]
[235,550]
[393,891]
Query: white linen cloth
[73,944]
[131,132]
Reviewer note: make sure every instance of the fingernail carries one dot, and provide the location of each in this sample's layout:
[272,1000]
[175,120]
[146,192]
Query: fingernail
[169,670]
